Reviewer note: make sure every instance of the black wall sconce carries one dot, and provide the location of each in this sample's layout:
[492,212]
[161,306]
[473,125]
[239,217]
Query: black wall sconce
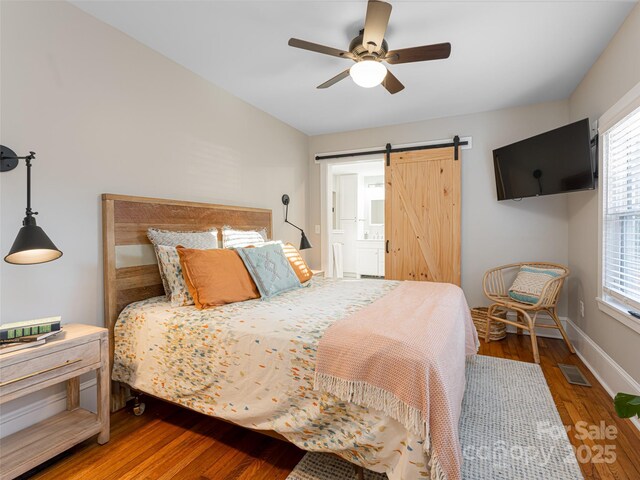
[31,245]
[304,242]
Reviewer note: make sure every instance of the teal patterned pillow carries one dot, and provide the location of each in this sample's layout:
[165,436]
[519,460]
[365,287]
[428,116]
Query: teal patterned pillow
[270,269]
[528,285]
[169,262]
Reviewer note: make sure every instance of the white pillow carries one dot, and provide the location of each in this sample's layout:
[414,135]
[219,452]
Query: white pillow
[233,238]
[201,239]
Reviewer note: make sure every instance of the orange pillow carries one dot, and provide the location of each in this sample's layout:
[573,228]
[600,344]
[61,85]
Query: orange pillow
[216,277]
[298,264]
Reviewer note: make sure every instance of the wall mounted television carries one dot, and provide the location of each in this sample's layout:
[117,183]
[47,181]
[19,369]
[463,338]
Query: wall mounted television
[558,161]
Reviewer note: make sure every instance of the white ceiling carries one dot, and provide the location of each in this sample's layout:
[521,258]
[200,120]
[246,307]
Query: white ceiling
[504,53]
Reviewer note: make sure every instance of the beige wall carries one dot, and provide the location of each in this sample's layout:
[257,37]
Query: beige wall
[106,114]
[493,233]
[614,74]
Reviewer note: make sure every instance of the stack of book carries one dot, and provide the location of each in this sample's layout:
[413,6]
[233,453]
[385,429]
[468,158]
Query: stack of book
[30,333]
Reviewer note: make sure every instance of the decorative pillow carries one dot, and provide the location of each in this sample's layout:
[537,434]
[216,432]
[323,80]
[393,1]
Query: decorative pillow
[300,267]
[216,277]
[169,263]
[201,239]
[207,239]
[528,285]
[232,238]
[270,269]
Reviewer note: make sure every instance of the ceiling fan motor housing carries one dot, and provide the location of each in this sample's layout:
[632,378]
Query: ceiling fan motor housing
[359,50]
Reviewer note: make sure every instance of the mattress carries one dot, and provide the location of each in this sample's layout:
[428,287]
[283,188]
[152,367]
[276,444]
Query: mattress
[252,363]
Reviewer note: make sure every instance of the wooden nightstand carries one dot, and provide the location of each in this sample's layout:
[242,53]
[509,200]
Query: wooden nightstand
[77,350]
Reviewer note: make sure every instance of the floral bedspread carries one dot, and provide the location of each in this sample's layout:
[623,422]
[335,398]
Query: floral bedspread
[252,363]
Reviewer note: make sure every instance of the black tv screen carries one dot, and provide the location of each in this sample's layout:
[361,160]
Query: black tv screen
[557,161]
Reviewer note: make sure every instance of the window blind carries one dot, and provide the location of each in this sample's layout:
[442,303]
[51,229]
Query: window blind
[621,210]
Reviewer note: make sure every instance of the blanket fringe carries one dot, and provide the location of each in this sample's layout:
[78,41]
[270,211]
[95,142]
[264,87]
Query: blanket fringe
[366,395]
[436,469]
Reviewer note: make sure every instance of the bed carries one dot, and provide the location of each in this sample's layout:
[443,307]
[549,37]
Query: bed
[250,363]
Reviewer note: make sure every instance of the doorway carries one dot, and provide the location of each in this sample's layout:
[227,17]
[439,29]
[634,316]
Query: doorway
[417,211]
[356,194]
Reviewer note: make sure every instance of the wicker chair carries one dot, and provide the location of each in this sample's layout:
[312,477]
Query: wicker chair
[495,290]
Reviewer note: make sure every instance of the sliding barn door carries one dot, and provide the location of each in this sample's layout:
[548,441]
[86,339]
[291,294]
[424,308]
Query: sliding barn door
[422,216]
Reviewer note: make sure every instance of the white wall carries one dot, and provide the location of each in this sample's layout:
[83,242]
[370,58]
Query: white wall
[614,74]
[106,114]
[493,233]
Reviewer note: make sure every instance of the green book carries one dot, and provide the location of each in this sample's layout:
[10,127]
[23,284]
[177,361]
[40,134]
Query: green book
[10,331]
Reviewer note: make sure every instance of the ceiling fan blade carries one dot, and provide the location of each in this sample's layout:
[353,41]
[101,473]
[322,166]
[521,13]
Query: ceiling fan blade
[375,24]
[336,79]
[391,83]
[315,47]
[419,54]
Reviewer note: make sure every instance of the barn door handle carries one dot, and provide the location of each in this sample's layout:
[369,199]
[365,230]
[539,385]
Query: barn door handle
[387,246]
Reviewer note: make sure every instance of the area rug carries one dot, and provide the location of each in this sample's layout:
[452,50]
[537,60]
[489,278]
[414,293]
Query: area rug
[509,430]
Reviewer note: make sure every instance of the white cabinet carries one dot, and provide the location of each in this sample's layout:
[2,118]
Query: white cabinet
[347,225]
[367,260]
[347,198]
[370,258]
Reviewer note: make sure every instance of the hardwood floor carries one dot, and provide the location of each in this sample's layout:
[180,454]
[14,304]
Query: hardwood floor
[170,442]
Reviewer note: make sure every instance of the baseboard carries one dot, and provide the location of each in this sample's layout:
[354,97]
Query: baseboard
[33,412]
[611,376]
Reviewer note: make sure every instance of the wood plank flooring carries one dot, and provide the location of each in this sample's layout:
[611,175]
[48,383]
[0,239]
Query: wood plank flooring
[168,442]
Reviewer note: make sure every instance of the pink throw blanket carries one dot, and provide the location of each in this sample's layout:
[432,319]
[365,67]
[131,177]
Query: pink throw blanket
[405,355]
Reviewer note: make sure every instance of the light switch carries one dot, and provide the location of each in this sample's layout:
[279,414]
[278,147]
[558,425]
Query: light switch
[317,229]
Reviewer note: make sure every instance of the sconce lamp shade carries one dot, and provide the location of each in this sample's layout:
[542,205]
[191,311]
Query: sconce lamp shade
[32,246]
[304,242]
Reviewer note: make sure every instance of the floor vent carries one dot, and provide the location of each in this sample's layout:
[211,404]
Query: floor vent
[573,375]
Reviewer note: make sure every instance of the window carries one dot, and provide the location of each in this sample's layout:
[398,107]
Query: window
[621,211]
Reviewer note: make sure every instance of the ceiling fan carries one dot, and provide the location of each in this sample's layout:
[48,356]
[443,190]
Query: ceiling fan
[369,49]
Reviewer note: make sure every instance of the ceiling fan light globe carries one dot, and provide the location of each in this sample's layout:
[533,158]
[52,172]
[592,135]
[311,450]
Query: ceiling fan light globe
[368,73]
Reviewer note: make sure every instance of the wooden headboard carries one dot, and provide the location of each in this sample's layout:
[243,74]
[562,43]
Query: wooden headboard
[130,269]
